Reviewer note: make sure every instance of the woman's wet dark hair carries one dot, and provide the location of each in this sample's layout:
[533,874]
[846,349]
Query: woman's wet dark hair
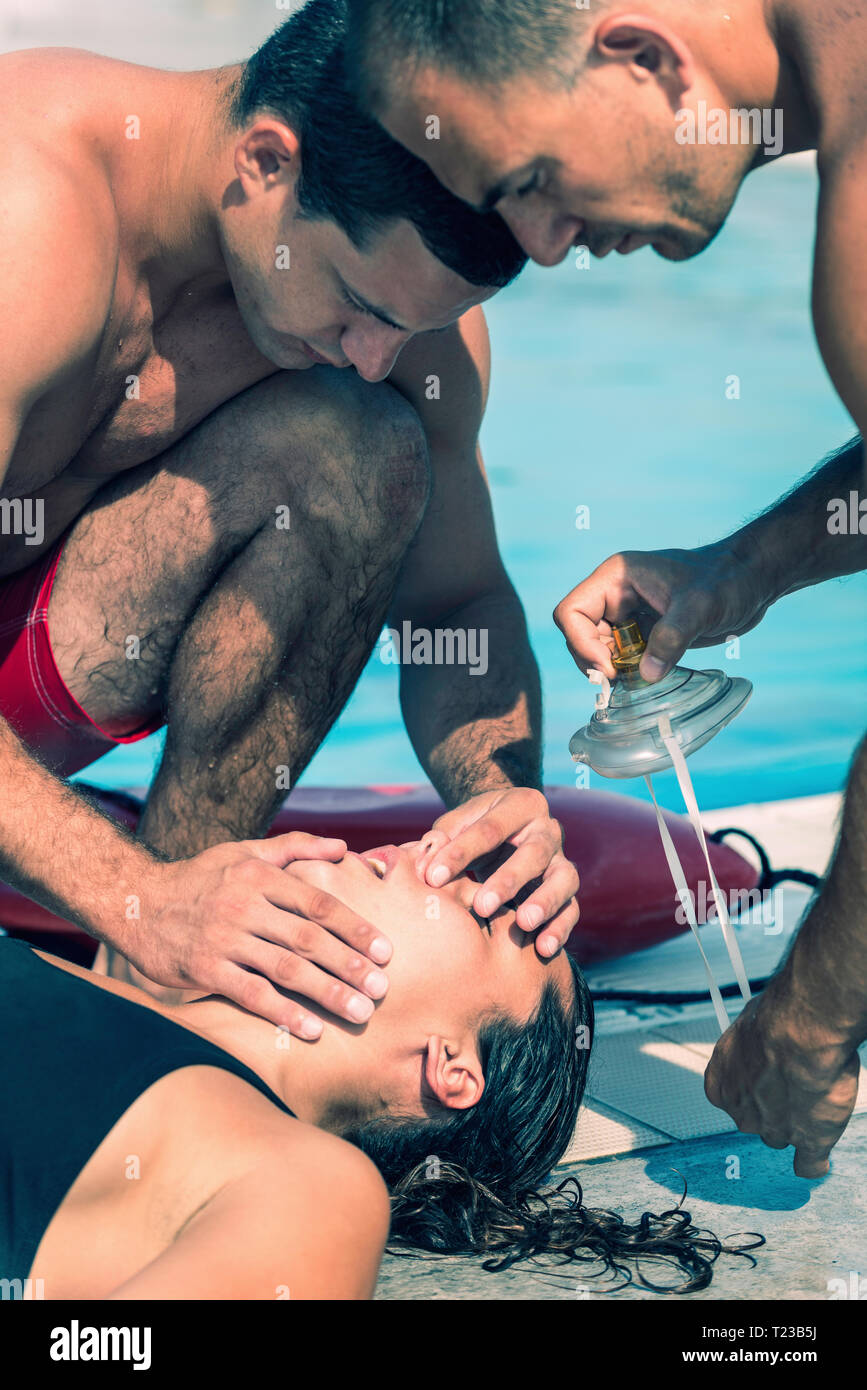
[477,1181]
[352,172]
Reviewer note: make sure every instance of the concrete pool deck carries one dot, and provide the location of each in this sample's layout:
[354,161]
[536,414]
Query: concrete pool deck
[816,1232]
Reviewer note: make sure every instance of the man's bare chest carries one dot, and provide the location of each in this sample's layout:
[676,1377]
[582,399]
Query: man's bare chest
[143,388]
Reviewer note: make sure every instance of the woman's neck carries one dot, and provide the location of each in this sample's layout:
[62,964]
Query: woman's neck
[322,1082]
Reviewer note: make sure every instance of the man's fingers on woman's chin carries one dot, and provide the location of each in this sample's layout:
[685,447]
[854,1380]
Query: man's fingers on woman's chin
[300,844]
[258,996]
[325,849]
[303,1026]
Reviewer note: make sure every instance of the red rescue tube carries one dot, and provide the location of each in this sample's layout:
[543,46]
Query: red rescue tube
[627,897]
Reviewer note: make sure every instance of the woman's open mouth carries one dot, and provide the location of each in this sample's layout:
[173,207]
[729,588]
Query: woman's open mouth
[381,860]
[378,865]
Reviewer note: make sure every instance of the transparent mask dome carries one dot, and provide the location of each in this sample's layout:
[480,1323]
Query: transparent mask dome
[623,739]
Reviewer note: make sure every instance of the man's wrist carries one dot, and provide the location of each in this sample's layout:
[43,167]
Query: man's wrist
[115,914]
[794,544]
[826,970]
[815,1003]
[753,559]
[489,785]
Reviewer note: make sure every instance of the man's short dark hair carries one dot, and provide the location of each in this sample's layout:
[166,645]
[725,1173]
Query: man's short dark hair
[352,172]
[487,41]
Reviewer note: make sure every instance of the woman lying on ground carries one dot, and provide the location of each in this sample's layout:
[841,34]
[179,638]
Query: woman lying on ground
[195,1151]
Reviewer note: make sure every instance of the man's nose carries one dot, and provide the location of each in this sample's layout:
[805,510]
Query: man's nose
[373,353]
[546,237]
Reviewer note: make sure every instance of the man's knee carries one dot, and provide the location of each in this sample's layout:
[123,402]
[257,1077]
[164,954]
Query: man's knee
[349,450]
[391,464]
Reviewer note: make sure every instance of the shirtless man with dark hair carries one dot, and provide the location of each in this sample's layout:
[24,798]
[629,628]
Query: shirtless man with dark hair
[614,127]
[206,523]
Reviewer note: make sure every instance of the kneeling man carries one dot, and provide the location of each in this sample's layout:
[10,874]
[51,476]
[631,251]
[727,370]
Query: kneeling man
[208,521]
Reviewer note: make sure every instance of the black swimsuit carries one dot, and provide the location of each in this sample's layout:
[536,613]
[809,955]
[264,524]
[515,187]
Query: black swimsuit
[73,1059]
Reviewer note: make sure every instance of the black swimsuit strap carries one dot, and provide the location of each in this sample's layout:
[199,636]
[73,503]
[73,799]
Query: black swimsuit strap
[75,1057]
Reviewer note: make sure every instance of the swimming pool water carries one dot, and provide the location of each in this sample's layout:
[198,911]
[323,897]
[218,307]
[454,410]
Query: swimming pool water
[609,391]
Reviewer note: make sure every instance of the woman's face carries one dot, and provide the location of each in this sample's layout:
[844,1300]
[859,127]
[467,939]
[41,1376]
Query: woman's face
[448,964]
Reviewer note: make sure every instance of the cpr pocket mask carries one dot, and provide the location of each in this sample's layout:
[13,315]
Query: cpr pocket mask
[639,729]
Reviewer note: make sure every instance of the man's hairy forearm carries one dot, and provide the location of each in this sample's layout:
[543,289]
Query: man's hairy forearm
[799,542]
[60,851]
[825,973]
[478,733]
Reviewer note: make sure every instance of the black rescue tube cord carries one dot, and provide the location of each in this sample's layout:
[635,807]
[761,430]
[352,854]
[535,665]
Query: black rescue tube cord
[770,878]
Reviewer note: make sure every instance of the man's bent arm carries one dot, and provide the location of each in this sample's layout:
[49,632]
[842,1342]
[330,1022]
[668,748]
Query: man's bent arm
[478,735]
[787,1069]
[59,850]
[53,844]
[825,973]
[474,724]
[702,597]
[477,728]
[808,535]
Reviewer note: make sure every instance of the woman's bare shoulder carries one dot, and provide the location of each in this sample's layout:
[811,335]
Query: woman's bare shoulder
[278,1208]
[245,1130]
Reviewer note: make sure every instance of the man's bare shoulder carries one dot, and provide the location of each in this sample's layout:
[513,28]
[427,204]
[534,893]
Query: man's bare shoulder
[55,85]
[52,162]
[827,45]
[59,231]
[840,275]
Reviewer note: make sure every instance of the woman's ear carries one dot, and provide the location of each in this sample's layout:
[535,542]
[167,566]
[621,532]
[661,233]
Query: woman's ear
[649,48]
[453,1072]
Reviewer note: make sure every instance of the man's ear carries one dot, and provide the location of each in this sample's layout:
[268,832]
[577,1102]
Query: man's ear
[453,1072]
[649,48]
[267,154]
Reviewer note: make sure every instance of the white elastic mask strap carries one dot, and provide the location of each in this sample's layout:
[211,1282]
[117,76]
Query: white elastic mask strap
[684,781]
[685,896]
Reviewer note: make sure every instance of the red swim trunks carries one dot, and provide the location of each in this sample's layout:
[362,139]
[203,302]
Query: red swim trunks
[33,697]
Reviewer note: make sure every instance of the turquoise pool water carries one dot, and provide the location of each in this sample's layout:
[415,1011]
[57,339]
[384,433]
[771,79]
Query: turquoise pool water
[609,392]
